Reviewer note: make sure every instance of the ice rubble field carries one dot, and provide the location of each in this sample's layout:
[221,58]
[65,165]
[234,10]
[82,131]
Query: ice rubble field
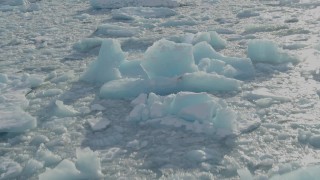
[159,89]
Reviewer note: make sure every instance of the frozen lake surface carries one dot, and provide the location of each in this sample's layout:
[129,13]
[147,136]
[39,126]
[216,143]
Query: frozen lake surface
[159,89]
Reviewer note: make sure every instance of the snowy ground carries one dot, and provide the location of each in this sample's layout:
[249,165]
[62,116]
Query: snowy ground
[48,114]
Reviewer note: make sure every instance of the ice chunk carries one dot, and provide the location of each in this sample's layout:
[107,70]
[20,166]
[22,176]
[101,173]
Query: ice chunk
[244,174]
[31,167]
[87,44]
[305,173]
[262,93]
[247,14]
[9,169]
[196,82]
[13,118]
[98,124]
[225,120]
[216,41]
[124,88]
[315,141]
[131,13]
[16,120]
[196,156]
[62,110]
[105,68]
[268,52]
[132,68]
[34,81]
[211,38]
[198,112]
[88,163]
[45,155]
[112,4]
[39,139]
[242,65]
[204,82]
[168,59]
[217,66]
[87,166]
[116,31]
[66,170]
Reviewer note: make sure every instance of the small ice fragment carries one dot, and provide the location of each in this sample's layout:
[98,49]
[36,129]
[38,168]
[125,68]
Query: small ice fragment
[196,156]
[98,124]
[62,110]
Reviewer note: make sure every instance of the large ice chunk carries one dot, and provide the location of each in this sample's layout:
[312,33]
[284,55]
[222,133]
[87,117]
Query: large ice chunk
[132,13]
[168,59]
[199,112]
[268,52]
[132,68]
[243,66]
[217,66]
[195,82]
[205,82]
[112,4]
[87,166]
[105,68]
[210,37]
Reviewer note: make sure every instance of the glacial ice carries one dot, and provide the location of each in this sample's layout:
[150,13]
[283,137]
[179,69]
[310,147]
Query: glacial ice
[105,68]
[133,13]
[268,52]
[112,4]
[86,166]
